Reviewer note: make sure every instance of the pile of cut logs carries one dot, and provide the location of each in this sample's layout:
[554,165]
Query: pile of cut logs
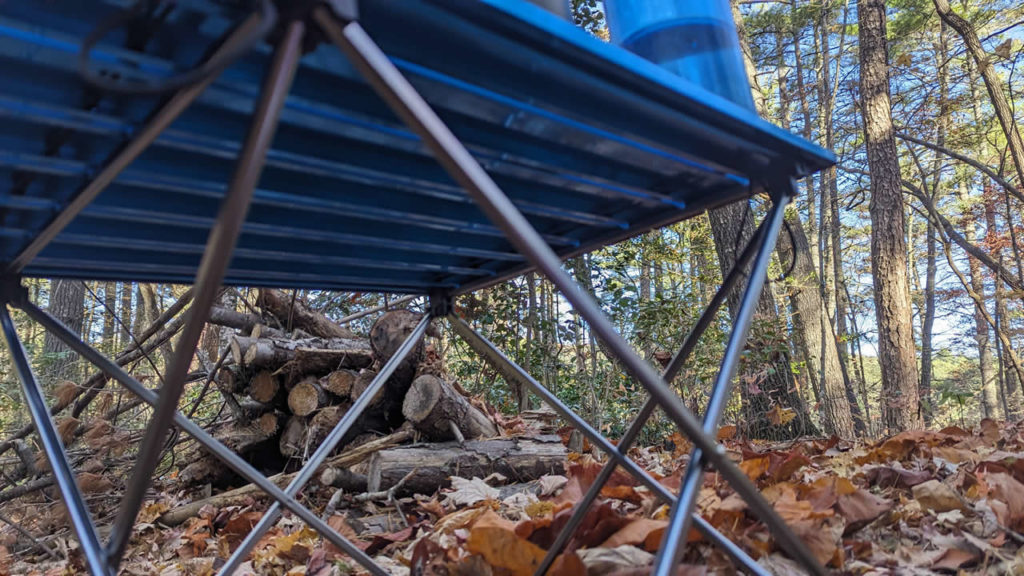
[286,387]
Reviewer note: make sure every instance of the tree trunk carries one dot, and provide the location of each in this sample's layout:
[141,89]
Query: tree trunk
[305,356]
[126,314]
[927,325]
[814,333]
[989,378]
[1004,113]
[900,402]
[769,384]
[293,313]
[67,304]
[110,316]
[1013,402]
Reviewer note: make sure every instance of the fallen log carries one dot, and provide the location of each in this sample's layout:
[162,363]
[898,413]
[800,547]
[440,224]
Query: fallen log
[321,424]
[343,478]
[518,459]
[294,313]
[243,321]
[441,413]
[231,379]
[306,356]
[350,458]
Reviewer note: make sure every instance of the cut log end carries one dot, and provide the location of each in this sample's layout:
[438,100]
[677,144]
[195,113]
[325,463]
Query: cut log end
[437,410]
[339,382]
[263,386]
[305,397]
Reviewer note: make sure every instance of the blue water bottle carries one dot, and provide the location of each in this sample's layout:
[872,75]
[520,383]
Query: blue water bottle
[695,39]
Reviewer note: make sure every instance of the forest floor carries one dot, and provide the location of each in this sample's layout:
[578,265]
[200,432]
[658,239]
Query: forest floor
[947,502]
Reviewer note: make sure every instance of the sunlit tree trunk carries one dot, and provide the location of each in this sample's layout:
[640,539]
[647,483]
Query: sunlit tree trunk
[900,402]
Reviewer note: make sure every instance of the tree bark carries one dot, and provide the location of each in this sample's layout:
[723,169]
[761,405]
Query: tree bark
[900,401]
[1004,113]
[293,313]
[769,384]
[519,459]
[434,407]
[67,304]
[815,334]
[306,356]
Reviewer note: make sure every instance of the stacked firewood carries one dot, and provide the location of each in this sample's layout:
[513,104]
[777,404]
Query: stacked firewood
[287,386]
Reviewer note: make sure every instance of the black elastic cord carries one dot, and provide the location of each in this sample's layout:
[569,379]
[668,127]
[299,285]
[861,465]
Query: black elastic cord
[268,19]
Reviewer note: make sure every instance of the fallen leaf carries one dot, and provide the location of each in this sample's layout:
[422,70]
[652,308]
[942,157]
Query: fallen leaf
[953,559]
[468,492]
[502,548]
[754,468]
[635,533]
[1005,489]
[937,497]
[861,508]
[551,483]
[66,427]
[94,483]
[896,477]
[727,432]
[609,560]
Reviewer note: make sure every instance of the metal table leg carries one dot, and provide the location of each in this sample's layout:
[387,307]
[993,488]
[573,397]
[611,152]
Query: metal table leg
[679,522]
[225,454]
[328,445]
[78,512]
[210,275]
[671,371]
[407,103]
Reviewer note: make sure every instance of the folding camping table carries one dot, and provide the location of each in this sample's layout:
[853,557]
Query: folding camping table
[449,145]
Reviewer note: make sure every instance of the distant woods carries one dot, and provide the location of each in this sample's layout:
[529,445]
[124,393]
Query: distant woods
[897,296]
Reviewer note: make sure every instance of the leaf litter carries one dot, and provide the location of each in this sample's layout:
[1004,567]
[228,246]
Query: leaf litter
[919,502]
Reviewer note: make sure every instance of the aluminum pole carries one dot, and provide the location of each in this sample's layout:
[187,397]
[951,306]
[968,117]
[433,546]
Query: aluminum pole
[407,103]
[225,454]
[670,374]
[81,520]
[490,353]
[674,540]
[211,272]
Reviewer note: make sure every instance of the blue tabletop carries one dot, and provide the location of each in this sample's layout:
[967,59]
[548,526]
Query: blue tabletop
[592,143]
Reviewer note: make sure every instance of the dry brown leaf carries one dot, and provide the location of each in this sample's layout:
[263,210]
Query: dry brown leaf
[754,468]
[65,393]
[861,508]
[937,497]
[955,558]
[1007,490]
[611,560]
[635,533]
[468,492]
[727,432]
[989,429]
[502,548]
